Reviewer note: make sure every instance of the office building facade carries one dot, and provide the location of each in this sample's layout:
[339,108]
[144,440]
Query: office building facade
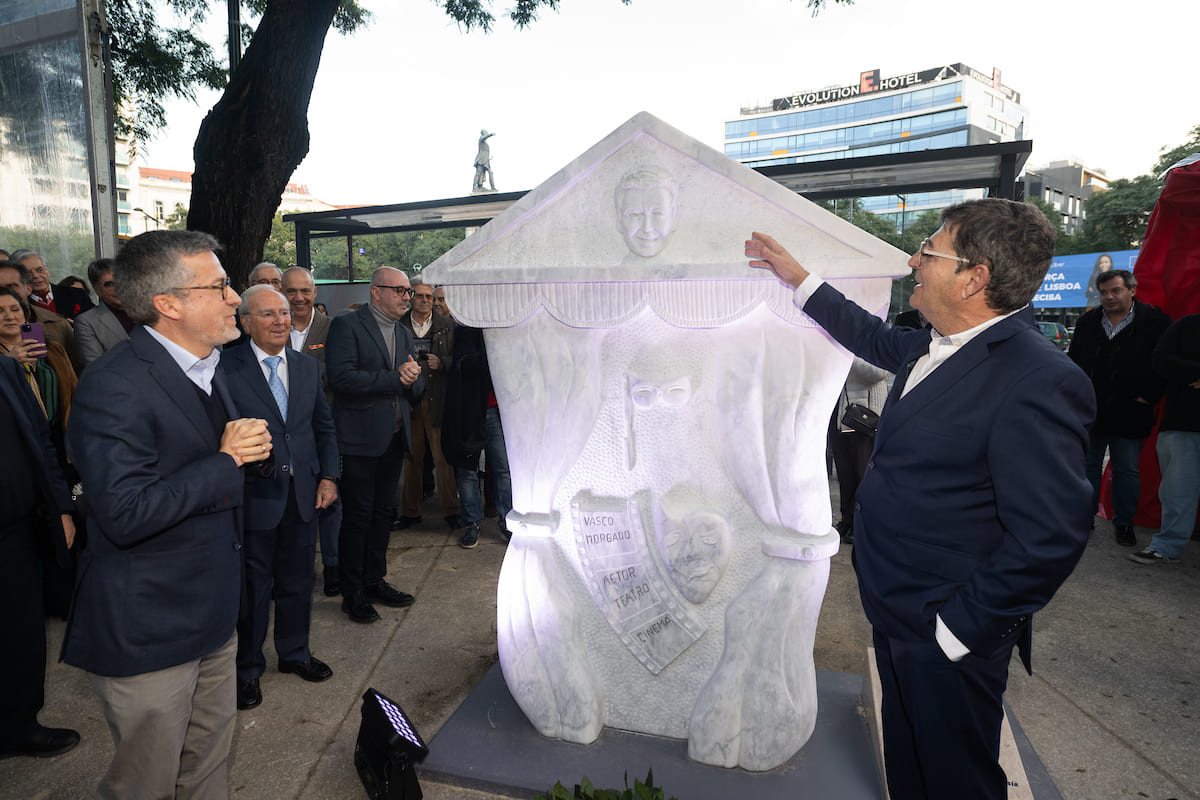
[1067,185]
[946,106]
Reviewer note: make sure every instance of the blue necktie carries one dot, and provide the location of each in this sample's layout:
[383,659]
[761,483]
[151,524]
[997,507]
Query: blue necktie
[276,385]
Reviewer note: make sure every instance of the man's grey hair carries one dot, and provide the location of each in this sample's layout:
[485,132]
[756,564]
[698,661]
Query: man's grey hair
[261,266]
[22,254]
[149,265]
[416,281]
[1014,240]
[254,291]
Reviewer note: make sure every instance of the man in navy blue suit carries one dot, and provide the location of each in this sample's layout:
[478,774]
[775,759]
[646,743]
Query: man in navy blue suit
[974,507]
[374,375]
[160,448]
[272,381]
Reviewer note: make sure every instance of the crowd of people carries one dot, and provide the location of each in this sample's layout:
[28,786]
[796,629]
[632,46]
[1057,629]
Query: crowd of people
[186,448]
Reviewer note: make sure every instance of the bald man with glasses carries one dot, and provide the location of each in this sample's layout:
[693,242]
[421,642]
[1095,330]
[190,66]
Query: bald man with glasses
[374,375]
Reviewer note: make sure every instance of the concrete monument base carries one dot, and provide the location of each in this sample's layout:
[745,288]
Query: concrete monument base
[489,745]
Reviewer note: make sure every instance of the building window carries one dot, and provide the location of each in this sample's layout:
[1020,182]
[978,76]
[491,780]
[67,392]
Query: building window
[158,209]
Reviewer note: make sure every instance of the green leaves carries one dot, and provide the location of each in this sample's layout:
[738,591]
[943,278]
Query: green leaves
[586,791]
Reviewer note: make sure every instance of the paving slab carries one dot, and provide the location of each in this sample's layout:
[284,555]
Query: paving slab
[1110,709]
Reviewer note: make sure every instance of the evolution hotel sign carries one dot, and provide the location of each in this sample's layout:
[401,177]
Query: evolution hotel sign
[870,82]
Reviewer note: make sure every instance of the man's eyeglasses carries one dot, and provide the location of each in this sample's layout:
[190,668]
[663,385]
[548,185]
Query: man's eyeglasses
[924,250]
[403,291]
[222,287]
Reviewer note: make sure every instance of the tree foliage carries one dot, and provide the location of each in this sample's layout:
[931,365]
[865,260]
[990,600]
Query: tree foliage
[410,251]
[253,139]
[1116,218]
[1169,157]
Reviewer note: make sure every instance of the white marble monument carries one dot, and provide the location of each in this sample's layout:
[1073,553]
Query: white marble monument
[665,409]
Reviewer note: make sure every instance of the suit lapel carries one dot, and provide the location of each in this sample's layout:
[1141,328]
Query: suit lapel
[367,318]
[924,395]
[113,327]
[177,386]
[247,366]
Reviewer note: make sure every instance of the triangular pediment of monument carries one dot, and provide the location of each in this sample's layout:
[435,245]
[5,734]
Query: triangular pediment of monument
[568,231]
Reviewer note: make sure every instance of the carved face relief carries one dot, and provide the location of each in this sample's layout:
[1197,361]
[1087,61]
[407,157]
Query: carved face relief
[695,549]
[647,205]
[646,394]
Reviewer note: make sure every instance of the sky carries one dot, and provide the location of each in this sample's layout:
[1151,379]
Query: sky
[397,108]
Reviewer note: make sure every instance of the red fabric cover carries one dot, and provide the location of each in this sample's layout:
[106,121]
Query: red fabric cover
[1168,276]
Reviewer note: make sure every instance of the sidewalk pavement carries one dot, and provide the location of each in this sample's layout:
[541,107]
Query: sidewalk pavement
[1113,706]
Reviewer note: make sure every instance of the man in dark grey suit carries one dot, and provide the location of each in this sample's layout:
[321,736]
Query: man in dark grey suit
[99,329]
[274,382]
[159,445]
[374,375]
[310,329]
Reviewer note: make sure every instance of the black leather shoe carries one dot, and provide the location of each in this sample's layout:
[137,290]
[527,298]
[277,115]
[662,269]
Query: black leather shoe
[43,743]
[333,581]
[1125,536]
[314,670]
[359,610]
[389,595]
[404,523]
[248,694]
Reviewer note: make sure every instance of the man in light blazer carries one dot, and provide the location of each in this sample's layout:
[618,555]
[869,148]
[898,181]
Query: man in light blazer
[374,375]
[274,382]
[160,446]
[99,329]
[974,507]
[310,329]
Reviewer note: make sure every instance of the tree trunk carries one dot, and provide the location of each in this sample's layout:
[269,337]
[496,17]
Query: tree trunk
[256,135]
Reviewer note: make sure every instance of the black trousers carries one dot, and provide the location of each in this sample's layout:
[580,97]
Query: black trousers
[368,503]
[23,632]
[279,567]
[941,721]
[851,452]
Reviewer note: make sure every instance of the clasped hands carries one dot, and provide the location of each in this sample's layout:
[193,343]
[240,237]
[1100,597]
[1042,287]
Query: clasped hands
[246,440]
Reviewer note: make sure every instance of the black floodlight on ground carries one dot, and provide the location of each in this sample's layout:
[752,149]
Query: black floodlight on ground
[387,751]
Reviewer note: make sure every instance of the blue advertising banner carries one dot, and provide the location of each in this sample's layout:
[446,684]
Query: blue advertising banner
[1071,280]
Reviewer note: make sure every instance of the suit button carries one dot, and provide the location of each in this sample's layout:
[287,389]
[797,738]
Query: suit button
[237,545]
[871,464]
[287,437]
[857,507]
[284,468]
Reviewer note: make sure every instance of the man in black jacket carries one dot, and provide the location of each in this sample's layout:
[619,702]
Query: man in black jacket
[1177,359]
[33,479]
[471,426]
[1113,344]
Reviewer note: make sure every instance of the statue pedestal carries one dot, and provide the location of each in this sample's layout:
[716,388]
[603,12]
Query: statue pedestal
[489,745]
